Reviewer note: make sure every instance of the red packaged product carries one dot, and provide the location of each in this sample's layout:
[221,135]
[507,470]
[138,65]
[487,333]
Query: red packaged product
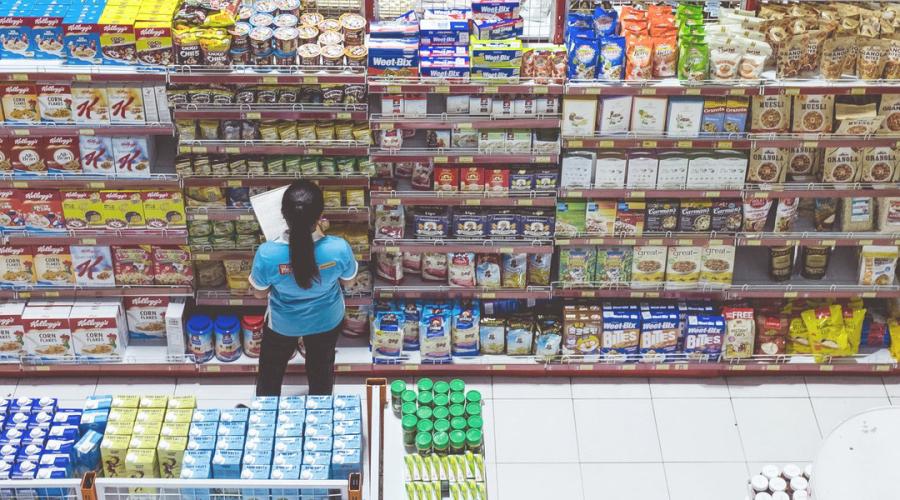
[62,155]
[43,210]
[172,265]
[11,216]
[27,155]
[133,264]
[446,179]
[496,179]
[5,163]
[471,179]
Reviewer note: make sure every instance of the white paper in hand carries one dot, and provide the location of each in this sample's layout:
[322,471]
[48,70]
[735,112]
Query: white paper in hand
[267,207]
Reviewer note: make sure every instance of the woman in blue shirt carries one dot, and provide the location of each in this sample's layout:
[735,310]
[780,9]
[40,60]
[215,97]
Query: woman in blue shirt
[301,274]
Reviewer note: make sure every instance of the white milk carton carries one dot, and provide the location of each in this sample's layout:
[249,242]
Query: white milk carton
[175,327]
[11,329]
[98,331]
[48,335]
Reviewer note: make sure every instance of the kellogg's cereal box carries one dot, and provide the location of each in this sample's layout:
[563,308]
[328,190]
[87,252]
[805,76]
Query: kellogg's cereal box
[146,317]
[47,332]
[43,210]
[98,331]
[82,42]
[16,266]
[53,265]
[172,265]
[15,31]
[154,43]
[11,329]
[47,33]
[62,154]
[91,105]
[82,209]
[131,156]
[27,156]
[126,104]
[133,264]
[11,216]
[164,209]
[117,44]
[93,265]
[55,103]
[5,163]
[96,155]
[20,103]
[122,209]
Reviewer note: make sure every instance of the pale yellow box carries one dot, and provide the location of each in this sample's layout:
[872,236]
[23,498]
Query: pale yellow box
[126,401]
[182,403]
[147,428]
[170,452]
[113,451]
[141,463]
[154,402]
[120,415]
[175,429]
[119,428]
[143,442]
[178,416]
[146,415]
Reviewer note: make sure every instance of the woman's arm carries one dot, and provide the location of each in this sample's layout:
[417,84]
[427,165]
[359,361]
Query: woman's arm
[259,294]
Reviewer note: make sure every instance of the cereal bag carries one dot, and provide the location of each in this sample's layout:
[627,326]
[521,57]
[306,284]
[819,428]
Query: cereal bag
[465,332]
[434,333]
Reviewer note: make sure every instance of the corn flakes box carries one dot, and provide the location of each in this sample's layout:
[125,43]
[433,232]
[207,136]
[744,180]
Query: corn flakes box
[164,209]
[122,209]
[82,209]
[53,265]
[126,104]
[55,103]
[16,265]
[47,332]
[90,104]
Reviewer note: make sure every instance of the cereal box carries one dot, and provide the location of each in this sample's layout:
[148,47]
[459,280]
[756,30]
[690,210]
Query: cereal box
[55,103]
[122,209]
[82,42]
[146,317]
[20,103]
[26,155]
[47,332]
[61,154]
[12,330]
[133,265]
[53,265]
[126,104]
[93,265]
[47,34]
[131,156]
[117,44]
[163,209]
[154,47]
[172,265]
[14,34]
[98,331]
[16,265]
[90,104]
[96,155]
[43,210]
[740,329]
[82,209]
[11,216]
[5,160]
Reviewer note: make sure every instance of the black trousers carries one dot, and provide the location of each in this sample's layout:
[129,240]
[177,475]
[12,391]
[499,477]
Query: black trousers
[276,351]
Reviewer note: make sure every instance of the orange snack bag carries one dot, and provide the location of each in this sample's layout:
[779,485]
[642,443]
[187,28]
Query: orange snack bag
[639,65]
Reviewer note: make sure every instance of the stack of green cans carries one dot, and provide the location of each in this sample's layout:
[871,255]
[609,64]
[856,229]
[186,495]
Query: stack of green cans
[439,417]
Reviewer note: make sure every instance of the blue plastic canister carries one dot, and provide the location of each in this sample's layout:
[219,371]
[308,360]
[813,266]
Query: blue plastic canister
[228,337]
[200,337]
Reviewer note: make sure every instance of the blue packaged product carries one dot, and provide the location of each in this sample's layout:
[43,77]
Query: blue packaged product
[288,457]
[42,418]
[443,52]
[57,460]
[98,402]
[703,335]
[469,223]
[82,42]
[9,449]
[196,457]
[443,32]
[65,432]
[203,429]
[584,55]
[287,443]
[266,403]
[16,28]
[87,452]
[17,418]
[50,472]
[621,332]
[291,416]
[537,223]
[351,413]
[319,402]
[482,72]
[207,442]
[67,417]
[317,458]
[347,427]
[659,334]
[289,429]
[346,441]
[255,471]
[387,336]
[393,57]
[314,472]
[262,417]
[30,451]
[410,324]
[317,443]
[503,10]
[226,464]
[612,58]
[234,415]
[292,403]
[94,420]
[262,430]
[24,469]
[257,457]
[230,428]
[199,330]
[5,470]
[434,333]
[457,67]
[396,28]
[503,224]
[604,21]
[342,401]
[227,332]
[62,445]
[48,35]
[318,429]
[497,29]
[464,334]
[205,415]
[259,443]
[521,180]
[345,462]
[230,442]
[287,471]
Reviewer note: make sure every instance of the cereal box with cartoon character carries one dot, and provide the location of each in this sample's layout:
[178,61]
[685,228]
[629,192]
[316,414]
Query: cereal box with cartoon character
[172,265]
[16,266]
[43,210]
[53,265]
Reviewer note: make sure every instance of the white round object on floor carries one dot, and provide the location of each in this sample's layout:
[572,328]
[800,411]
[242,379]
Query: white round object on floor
[862,447]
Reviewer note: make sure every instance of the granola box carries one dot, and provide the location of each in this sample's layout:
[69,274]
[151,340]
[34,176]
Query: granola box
[133,265]
[82,209]
[98,331]
[43,210]
[163,209]
[47,332]
[172,265]
[61,154]
[122,209]
[16,265]
[12,330]
[53,265]
[55,103]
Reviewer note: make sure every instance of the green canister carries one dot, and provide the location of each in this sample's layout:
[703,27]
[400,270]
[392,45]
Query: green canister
[475,422]
[425,385]
[424,426]
[397,388]
[473,409]
[457,398]
[457,410]
[408,409]
[409,430]
[457,442]
[458,424]
[424,413]
[408,397]
[473,441]
[442,425]
[426,399]
[457,385]
[441,443]
[441,400]
[423,443]
[441,387]
[441,412]
[473,397]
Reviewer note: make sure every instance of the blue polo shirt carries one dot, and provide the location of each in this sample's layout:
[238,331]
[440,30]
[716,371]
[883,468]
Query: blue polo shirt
[294,311]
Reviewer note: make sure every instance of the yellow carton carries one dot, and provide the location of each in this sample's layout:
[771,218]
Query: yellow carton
[183,403]
[82,209]
[143,442]
[119,428]
[123,209]
[147,428]
[153,402]
[125,401]
[141,463]
[147,415]
[163,209]
[122,415]
[113,451]
[175,429]
[170,451]
[178,416]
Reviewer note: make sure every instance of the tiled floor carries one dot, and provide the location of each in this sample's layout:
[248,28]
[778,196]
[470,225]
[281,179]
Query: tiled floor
[582,439]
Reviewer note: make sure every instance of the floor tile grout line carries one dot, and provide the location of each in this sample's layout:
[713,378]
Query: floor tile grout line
[659,443]
[737,427]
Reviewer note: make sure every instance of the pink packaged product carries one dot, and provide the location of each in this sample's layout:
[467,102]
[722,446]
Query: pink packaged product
[146,317]
[98,331]
[97,155]
[47,332]
[12,330]
[131,156]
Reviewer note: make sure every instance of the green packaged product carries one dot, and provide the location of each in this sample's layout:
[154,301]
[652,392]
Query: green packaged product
[613,265]
[441,412]
[327,166]
[346,165]
[570,217]
[309,165]
[275,164]
[693,60]
[409,423]
[425,385]
[577,264]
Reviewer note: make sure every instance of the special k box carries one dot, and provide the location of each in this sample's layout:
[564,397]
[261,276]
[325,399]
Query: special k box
[132,156]
[126,104]
[16,265]
[11,216]
[11,329]
[96,155]
[91,105]
[98,331]
[47,332]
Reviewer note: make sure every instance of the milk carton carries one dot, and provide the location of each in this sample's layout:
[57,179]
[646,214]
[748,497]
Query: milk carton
[98,332]
[226,464]
[170,453]
[47,333]
[12,330]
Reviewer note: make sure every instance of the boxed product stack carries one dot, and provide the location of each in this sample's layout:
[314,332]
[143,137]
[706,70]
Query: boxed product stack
[496,49]
[444,43]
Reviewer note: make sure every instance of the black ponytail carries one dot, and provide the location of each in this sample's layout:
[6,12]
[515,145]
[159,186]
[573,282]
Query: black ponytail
[302,207]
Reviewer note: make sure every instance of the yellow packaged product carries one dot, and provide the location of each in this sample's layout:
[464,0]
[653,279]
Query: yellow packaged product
[164,210]
[182,403]
[798,337]
[113,450]
[125,401]
[178,416]
[154,401]
[854,324]
[150,415]
[332,198]
[122,209]
[143,441]
[175,429]
[119,428]
[827,334]
[141,463]
[169,453]
[147,428]
[82,209]
[894,329]
[237,273]
[120,415]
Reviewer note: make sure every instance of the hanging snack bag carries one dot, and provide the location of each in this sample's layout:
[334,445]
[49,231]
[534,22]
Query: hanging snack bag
[577,264]
[739,332]
[771,333]
[605,21]
[827,335]
[665,56]
[612,58]
[583,55]
[513,273]
[549,336]
[640,58]
[693,60]
[492,333]
[434,266]
[465,331]
[389,221]
[519,336]
[434,333]
[538,272]
[387,336]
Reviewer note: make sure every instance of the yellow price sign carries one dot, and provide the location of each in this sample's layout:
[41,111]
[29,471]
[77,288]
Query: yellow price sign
[234,183]
[629,242]
[684,144]
[82,77]
[692,91]
[270,80]
[563,242]
[648,91]
[314,151]
[588,293]
[881,368]
[20,184]
[199,149]
[724,144]
[394,89]
[440,159]
[654,242]
[88,241]
[232,150]
[593,91]
[252,116]
[246,217]
[790,295]
[648,144]
[736,91]
[753,243]
[465,159]
[442,89]
[235,302]
[18,77]
[489,295]
[542,159]
[826,368]
[869,295]
[201,256]
[86,131]
[662,367]
[626,368]
[792,91]
[97,185]
[51,294]
[636,194]
[865,242]
[539,89]
[685,242]
[475,201]
[490,90]
[858,91]
[411,368]
[773,368]
[597,241]
[525,203]
[200,217]
[463,126]
[212,368]
[579,194]
[811,144]
[606,144]
[392,201]
[712,194]
[499,368]
[310,79]
[21,131]
[343,116]
[575,144]
[737,368]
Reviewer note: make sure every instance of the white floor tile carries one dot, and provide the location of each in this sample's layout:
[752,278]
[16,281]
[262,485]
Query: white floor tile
[492,480]
[767,387]
[706,481]
[845,387]
[830,412]
[689,388]
[8,387]
[57,387]
[610,388]
[892,385]
[540,388]
[697,430]
[777,429]
[624,481]
[535,431]
[217,387]
[539,481]
[136,385]
[490,437]
[616,430]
